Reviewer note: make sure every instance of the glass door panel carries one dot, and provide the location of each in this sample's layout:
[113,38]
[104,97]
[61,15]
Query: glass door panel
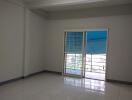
[95,54]
[85,54]
[73,53]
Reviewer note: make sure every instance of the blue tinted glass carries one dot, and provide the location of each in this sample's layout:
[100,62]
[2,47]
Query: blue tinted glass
[96,42]
[73,42]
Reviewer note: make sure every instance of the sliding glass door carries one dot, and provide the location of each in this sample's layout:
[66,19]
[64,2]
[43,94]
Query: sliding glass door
[73,53]
[95,54]
[85,54]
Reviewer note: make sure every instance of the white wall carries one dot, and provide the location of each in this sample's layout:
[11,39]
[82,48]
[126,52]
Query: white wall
[119,53]
[39,43]
[35,42]
[11,40]
[21,40]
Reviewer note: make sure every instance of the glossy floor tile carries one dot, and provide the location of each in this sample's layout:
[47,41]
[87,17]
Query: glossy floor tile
[56,87]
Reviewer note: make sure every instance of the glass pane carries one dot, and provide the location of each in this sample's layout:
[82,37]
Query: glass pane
[95,54]
[73,53]
[74,64]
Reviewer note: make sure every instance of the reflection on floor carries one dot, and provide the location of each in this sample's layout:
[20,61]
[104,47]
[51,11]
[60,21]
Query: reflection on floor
[87,84]
[48,86]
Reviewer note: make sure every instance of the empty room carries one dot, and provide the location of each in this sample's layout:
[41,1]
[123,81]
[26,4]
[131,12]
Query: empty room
[65,50]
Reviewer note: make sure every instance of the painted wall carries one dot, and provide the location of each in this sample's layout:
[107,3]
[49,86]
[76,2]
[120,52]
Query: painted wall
[39,44]
[35,42]
[21,41]
[11,40]
[119,52]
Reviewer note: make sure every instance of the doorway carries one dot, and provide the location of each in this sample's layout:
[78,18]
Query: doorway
[85,54]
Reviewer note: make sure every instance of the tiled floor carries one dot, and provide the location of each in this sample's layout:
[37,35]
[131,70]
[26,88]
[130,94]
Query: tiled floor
[55,87]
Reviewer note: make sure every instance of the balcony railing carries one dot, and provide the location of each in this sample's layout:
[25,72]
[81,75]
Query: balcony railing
[95,63]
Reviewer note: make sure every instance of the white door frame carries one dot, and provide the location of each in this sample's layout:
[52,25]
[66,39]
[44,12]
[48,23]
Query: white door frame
[64,64]
[83,52]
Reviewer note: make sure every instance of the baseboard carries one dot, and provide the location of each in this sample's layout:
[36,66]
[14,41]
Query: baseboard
[33,74]
[47,71]
[118,81]
[43,71]
[11,80]
[30,75]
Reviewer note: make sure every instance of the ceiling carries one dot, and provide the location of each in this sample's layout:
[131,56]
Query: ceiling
[58,5]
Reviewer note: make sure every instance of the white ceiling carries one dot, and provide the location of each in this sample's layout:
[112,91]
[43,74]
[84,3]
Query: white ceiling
[56,5]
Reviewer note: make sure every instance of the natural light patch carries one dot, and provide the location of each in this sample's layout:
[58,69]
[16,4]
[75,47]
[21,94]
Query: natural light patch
[74,63]
[95,65]
[86,84]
